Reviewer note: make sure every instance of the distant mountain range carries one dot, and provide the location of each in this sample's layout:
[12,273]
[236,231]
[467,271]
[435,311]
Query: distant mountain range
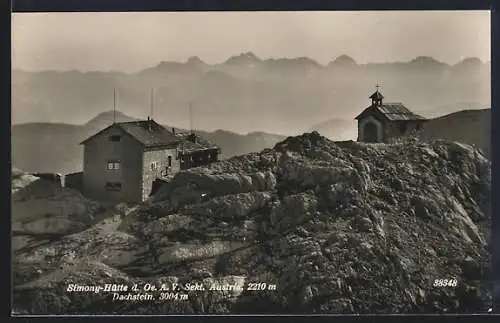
[246,93]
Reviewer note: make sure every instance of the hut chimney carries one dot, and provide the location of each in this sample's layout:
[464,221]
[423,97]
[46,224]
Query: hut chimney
[150,118]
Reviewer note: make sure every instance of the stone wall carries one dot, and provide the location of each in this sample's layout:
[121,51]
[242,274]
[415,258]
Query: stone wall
[155,165]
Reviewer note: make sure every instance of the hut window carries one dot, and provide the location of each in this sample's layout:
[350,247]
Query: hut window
[154,165]
[115,138]
[169,161]
[402,127]
[418,126]
[113,165]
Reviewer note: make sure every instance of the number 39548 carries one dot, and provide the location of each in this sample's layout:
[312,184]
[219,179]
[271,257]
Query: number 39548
[445,283]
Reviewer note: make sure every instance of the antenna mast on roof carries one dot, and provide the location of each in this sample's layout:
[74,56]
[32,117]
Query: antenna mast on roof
[190,118]
[114,105]
[152,103]
[150,117]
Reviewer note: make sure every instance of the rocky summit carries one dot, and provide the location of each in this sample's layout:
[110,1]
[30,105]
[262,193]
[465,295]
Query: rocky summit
[310,226]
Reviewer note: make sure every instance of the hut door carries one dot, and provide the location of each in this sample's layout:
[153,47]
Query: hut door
[370,132]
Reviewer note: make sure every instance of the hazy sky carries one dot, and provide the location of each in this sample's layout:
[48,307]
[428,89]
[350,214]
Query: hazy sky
[132,41]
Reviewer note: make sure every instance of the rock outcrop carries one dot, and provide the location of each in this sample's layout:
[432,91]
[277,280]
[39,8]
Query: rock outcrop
[41,206]
[327,227]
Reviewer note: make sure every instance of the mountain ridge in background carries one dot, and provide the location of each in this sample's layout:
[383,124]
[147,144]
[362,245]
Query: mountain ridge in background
[472,127]
[55,147]
[247,93]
